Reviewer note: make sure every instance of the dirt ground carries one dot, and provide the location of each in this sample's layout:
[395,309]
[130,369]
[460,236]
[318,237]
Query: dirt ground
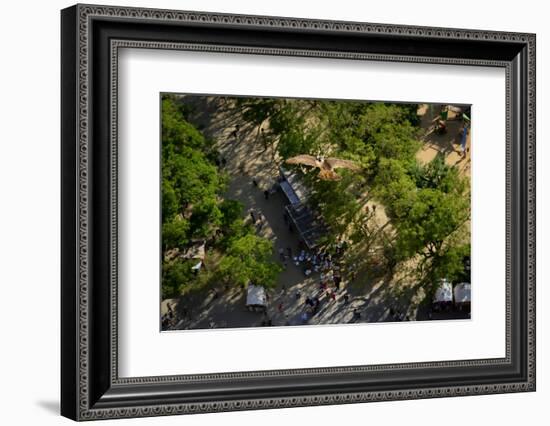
[447,143]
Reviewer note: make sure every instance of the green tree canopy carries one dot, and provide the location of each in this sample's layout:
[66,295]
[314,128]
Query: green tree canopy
[249,259]
[193,209]
[175,276]
[427,205]
[175,233]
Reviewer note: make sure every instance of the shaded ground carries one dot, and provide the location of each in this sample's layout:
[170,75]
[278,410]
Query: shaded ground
[247,161]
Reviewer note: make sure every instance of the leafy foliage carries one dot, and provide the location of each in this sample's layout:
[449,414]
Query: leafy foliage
[427,205]
[193,209]
[232,224]
[249,259]
[175,233]
[175,275]
[449,263]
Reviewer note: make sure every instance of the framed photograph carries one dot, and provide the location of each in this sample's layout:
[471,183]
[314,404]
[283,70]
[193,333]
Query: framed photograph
[263,212]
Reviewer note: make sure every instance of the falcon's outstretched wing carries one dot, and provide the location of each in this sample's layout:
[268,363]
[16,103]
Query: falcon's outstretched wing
[308,160]
[338,163]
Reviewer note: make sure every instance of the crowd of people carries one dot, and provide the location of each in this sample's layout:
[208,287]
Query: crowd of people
[329,287]
[320,263]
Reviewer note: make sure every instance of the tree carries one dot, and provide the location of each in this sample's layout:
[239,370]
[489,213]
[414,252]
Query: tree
[175,276]
[389,133]
[374,135]
[191,185]
[192,176]
[175,233]
[231,210]
[432,217]
[193,209]
[428,206]
[449,264]
[395,188]
[232,225]
[336,202]
[205,219]
[178,132]
[170,204]
[249,259]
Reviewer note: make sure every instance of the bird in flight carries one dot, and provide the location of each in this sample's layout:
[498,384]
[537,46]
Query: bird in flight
[326,165]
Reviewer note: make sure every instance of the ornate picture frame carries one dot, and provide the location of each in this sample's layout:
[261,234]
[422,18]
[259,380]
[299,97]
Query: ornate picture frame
[91,386]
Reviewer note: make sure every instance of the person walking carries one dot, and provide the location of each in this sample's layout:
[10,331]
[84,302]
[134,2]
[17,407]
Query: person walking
[264,138]
[252,216]
[235,133]
[266,194]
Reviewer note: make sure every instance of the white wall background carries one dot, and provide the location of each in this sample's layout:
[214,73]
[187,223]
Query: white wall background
[29,211]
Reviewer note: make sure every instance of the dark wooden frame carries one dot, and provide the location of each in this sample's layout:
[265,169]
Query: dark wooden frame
[90,386]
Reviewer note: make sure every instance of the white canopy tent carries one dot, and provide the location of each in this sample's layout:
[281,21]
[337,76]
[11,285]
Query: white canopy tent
[463,293]
[255,296]
[444,292]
